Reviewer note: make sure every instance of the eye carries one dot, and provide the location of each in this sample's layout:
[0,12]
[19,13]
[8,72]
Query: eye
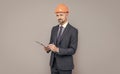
[61,14]
[57,15]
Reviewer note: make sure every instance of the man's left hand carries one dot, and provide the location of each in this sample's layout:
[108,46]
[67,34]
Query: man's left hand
[53,48]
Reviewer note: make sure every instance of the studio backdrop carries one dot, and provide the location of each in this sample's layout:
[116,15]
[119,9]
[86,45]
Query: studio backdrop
[22,22]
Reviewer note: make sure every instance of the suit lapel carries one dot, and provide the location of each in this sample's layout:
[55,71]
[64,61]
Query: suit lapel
[65,32]
[55,33]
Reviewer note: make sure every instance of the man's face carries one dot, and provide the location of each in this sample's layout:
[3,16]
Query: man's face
[61,17]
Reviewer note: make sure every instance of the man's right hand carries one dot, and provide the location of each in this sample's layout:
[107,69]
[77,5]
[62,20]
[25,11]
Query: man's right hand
[47,49]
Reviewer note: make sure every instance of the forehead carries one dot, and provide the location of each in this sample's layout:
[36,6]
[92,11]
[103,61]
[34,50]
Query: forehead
[60,13]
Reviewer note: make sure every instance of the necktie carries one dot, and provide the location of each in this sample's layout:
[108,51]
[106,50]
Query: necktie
[59,33]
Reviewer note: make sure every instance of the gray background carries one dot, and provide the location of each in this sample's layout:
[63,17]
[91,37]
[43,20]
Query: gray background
[24,21]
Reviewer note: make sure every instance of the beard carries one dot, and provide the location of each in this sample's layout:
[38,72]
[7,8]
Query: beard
[61,21]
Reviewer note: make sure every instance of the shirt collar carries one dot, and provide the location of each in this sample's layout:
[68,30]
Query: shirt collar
[64,25]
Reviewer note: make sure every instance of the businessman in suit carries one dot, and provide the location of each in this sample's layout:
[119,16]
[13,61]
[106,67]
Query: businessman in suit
[63,43]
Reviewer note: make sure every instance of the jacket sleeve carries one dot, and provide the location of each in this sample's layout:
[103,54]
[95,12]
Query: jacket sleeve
[51,40]
[73,45]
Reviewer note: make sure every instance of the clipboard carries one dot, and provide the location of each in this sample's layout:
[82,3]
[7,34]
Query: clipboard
[40,43]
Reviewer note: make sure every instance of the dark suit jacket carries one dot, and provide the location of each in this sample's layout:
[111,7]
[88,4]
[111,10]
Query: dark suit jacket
[67,47]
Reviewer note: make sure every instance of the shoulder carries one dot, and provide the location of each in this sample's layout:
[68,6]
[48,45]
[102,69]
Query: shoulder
[54,27]
[72,27]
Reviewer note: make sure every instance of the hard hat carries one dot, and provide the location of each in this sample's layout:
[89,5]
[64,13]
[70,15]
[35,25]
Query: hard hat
[62,8]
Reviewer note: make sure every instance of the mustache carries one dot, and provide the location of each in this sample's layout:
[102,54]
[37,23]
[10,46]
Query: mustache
[59,19]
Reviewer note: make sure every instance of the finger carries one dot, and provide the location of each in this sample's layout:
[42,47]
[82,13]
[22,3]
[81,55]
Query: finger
[51,44]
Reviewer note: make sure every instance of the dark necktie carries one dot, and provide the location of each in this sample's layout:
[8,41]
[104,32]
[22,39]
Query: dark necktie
[59,33]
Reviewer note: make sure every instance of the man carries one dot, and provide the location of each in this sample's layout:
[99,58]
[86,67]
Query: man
[63,43]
